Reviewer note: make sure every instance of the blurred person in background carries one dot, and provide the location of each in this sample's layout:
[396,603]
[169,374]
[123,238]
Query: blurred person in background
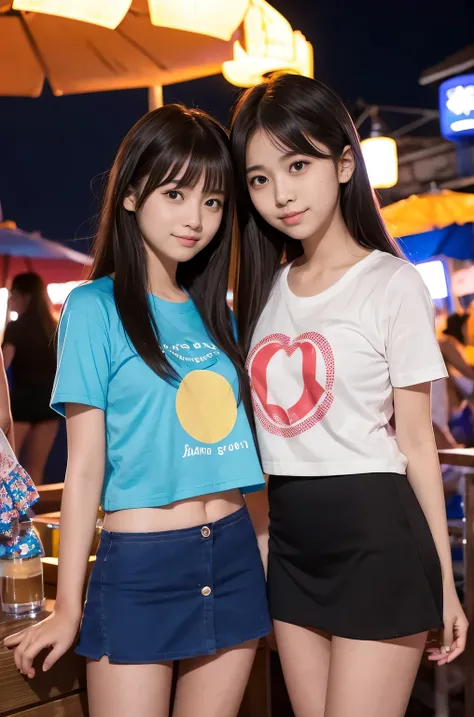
[454,350]
[29,349]
[457,400]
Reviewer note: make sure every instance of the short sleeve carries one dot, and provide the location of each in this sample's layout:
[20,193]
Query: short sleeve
[11,334]
[412,349]
[83,367]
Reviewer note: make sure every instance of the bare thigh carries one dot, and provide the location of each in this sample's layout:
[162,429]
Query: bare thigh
[40,441]
[370,679]
[304,654]
[128,690]
[21,432]
[213,686]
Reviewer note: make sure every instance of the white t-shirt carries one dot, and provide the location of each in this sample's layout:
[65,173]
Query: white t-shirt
[323,368]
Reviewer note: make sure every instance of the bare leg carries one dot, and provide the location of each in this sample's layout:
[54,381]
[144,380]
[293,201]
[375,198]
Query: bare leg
[214,686]
[370,679]
[21,432]
[40,441]
[128,690]
[305,654]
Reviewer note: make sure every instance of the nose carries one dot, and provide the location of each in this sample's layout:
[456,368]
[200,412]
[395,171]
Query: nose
[194,217]
[284,194]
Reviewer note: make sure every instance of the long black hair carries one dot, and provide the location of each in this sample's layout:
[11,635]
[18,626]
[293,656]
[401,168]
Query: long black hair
[153,153]
[293,110]
[39,307]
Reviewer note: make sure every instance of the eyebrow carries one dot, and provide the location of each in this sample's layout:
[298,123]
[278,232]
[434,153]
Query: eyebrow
[210,191]
[286,155]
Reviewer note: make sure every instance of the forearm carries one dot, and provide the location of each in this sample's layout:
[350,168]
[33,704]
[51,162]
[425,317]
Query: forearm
[81,498]
[425,478]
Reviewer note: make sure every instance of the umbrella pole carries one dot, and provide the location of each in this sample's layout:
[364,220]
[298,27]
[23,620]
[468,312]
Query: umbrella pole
[6,270]
[155,97]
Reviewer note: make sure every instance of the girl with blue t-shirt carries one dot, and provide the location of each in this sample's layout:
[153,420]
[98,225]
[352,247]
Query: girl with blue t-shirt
[153,388]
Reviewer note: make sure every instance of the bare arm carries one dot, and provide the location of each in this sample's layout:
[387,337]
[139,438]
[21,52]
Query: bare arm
[81,497]
[8,352]
[416,441]
[453,357]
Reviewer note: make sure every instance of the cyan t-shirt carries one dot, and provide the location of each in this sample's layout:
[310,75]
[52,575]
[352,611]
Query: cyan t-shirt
[165,442]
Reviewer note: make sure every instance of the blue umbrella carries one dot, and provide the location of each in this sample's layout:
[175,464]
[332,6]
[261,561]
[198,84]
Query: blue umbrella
[454,241]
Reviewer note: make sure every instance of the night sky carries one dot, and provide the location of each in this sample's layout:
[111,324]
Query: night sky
[54,151]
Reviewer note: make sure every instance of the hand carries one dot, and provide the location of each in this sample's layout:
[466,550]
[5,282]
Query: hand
[56,632]
[453,636]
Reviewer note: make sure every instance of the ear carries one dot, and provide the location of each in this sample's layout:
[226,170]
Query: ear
[130,201]
[346,165]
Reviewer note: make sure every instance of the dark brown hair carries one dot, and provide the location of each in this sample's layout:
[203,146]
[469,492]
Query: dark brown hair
[39,306]
[152,154]
[293,110]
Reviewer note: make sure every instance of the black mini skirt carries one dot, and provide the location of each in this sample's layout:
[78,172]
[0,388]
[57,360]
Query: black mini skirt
[352,555]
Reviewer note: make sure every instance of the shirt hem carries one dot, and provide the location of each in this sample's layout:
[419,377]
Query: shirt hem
[158,500]
[424,375]
[295,468]
[62,398]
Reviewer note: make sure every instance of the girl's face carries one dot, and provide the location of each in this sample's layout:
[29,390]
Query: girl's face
[295,193]
[177,224]
[18,302]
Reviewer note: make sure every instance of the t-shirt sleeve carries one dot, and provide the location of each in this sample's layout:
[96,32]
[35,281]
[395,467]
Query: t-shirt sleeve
[412,349]
[83,366]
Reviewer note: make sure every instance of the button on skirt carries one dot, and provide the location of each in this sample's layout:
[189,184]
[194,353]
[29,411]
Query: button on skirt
[156,597]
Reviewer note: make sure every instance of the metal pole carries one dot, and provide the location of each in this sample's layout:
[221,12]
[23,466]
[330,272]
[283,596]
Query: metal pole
[155,97]
[469,594]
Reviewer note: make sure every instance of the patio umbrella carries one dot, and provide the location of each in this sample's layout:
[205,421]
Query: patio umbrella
[454,241]
[55,263]
[78,57]
[427,212]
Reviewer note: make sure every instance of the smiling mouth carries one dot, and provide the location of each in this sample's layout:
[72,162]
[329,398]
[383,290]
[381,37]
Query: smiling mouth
[292,217]
[187,240]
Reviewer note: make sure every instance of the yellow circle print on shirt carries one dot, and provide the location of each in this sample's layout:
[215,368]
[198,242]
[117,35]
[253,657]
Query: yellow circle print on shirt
[206,406]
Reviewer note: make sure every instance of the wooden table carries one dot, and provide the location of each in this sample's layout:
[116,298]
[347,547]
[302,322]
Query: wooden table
[59,692]
[62,690]
[464,457]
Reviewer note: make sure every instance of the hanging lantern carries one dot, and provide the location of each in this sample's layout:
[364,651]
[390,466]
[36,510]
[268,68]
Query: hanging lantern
[107,13]
[380,156]
[270,45]
[205,17]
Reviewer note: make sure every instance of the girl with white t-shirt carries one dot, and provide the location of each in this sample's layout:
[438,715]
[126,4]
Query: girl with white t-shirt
[340,341]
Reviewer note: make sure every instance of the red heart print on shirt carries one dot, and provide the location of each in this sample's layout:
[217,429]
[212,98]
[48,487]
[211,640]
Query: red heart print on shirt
[317,381]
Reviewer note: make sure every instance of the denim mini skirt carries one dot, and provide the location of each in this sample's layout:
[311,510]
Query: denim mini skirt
[157,597]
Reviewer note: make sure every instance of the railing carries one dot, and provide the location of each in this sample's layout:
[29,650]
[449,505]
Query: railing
[464,457]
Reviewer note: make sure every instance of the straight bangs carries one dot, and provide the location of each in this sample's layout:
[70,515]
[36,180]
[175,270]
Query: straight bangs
[286,134]
[185,162]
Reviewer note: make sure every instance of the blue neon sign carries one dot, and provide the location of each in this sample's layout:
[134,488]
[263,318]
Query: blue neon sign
[456,107]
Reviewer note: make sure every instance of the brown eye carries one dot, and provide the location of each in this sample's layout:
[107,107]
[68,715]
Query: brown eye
[298,166]
[258,181]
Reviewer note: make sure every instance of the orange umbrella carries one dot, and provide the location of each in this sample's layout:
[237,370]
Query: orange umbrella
[425,212]
[77,57]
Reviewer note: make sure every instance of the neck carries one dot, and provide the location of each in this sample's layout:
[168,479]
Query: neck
[162,272]
[332,245]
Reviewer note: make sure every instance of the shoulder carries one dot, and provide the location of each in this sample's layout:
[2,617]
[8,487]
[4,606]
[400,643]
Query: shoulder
[396,275]
[93,299]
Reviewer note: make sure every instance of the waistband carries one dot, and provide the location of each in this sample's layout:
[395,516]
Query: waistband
[164,535]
